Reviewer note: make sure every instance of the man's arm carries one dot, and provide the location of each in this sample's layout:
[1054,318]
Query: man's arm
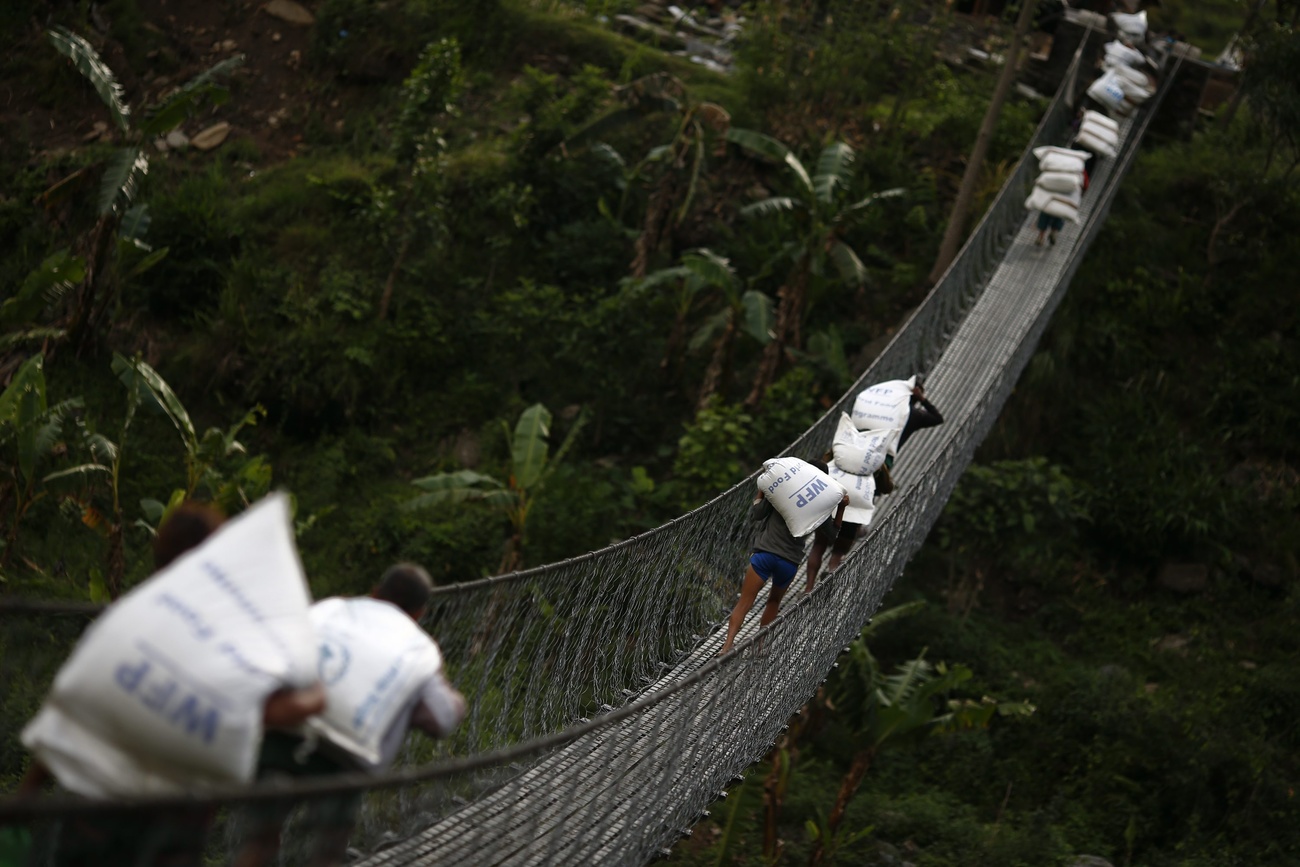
[440,708]
[839,513]
[289,707]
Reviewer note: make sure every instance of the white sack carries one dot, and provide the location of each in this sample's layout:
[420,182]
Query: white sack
[1099,132]
[1096,118]
[1118,52]
[802,494]
[1109,91]
[1043,152]
[173,677]
[1136,92]
[861,452]
[884,406]
[1064,205]
[1063,163]
[373,659]
[1134,26]
[862,496]
[1060,182]
[1090,140]
[1132,76]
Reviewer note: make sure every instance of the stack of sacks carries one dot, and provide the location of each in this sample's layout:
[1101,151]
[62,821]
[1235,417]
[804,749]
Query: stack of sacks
[1098,134]
[1133,27]
[864,440]
[1059,188]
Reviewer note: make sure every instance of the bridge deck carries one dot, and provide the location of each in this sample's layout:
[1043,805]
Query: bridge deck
[585,803]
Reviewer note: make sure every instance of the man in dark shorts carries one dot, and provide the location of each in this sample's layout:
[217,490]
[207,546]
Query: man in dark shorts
[775,557]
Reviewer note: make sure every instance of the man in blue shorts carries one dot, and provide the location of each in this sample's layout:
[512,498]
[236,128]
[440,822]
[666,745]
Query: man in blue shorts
[775,557]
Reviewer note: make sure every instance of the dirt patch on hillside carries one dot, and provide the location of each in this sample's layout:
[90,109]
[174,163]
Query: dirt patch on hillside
[272,95]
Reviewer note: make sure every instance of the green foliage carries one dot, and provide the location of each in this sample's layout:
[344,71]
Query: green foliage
[43,287]
[429,91]
[531,465]
[713,453]
[1272,87]
[1032,501]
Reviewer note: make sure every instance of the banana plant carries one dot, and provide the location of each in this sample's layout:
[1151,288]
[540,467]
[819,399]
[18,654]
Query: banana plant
[30,429]
[204,457]
[742,312]
[814,219]
[124,171]
[204,453]
[881,709]
[673,169]
[531,464]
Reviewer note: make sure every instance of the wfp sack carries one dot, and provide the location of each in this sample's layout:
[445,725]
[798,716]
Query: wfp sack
[1102,133]
[1060,182]
[373,659]
[1096,118]
[1134,26]
[1109,91]
[1132,76]
[884,406]
[175,674]
[1117,52]
[1096,140]
[1042,153]
[1061,163]
[1063,205]
[862,495]
[801,494]
[860,452]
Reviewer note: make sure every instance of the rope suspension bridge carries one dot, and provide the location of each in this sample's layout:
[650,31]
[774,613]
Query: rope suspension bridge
[602,723]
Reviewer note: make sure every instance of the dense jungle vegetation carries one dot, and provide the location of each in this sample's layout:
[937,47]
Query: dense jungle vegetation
[428,218]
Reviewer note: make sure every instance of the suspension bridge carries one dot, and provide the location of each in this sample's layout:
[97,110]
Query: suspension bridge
[602,721]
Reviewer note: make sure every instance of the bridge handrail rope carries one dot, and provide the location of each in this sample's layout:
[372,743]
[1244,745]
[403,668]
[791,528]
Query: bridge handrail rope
[538,650]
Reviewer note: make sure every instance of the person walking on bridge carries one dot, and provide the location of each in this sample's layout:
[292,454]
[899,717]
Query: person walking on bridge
[383,675]
[776,555]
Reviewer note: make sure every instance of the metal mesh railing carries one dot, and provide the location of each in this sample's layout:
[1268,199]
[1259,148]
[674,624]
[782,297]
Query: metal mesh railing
[601,722]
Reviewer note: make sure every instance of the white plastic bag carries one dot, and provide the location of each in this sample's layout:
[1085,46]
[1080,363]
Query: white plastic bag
[1062,163]
[884,406]
[1060,182]
[173,677]
[861,452]
[801,494]
[862,496]
[1109,91]
[373,659]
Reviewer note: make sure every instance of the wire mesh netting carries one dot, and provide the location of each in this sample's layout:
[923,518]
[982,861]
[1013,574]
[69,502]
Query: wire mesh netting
[601,721]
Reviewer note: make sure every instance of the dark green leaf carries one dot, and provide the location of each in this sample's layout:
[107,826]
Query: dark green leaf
[96,71]
[122,176]
[529,450]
